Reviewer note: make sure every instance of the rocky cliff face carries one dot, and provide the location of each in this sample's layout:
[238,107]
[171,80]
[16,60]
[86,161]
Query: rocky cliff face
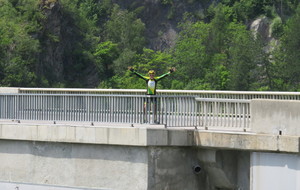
[51,41]
[60,38]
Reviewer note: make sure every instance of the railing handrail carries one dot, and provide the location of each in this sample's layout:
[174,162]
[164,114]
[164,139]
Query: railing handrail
[101,95]
[21,89]
[221,100]
[160,91]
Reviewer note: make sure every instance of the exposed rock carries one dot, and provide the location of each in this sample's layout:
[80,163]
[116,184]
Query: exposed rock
[60,38]
[261,28]
[51,58]
[165,40]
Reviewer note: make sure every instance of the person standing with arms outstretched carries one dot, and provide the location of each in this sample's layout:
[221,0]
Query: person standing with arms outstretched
[151,82]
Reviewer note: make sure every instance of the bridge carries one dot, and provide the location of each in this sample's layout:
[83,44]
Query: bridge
[213,139]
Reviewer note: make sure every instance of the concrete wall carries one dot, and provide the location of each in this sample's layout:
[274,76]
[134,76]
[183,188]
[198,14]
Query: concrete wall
[172,168]
[275,171]
[88,166]
[278,117]
[29,186]
[75,165]
[98,166]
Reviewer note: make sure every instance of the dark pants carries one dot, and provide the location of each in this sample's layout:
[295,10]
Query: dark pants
[150,104]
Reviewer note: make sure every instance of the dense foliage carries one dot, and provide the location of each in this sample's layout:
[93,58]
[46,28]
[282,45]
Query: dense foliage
[89,43]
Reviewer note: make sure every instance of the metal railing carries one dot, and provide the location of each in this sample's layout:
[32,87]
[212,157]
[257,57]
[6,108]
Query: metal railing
[167,110]
[187,111]
[224,113]
[210,109]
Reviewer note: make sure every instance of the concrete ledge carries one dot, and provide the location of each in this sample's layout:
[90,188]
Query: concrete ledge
[248,141]
[111,135]
[149,136]
[74,134]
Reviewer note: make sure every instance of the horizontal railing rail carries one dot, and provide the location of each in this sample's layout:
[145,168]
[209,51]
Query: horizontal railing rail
[200,93]
[167,110]
[224,113]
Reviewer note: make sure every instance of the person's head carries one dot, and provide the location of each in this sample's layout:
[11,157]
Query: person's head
[151,74]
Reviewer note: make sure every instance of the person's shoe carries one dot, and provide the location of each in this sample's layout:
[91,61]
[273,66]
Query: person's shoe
[156,122]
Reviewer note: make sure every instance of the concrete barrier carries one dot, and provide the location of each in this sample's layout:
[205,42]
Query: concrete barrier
[9,90]
[277,117]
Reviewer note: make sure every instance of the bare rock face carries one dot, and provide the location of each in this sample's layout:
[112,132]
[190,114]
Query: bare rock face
[51,58]
[261,29]
[60,60]
[166,39]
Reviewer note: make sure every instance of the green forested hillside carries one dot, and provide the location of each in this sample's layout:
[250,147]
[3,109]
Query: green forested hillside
[215,45]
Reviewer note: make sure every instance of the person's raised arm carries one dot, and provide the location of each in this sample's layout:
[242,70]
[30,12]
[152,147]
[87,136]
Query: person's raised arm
[171,70]
[136,73]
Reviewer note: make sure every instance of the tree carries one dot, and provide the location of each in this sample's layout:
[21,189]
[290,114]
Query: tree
[105,54]
[245,57]
[124,29]
[18,49]
[190,52]
[286,63]
[221,54]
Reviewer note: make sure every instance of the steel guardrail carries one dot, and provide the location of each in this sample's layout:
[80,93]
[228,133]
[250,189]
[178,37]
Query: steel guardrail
[167,110]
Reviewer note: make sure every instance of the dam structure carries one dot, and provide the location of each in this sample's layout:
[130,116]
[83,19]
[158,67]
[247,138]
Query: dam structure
[96,139]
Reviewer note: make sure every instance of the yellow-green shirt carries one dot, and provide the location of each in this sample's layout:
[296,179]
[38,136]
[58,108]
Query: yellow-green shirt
[151,83]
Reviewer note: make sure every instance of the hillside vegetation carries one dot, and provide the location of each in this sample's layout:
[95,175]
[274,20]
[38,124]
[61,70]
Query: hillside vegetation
[215,45]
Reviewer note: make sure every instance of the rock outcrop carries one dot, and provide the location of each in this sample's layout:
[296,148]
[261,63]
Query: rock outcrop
[261,28]
[61,57]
